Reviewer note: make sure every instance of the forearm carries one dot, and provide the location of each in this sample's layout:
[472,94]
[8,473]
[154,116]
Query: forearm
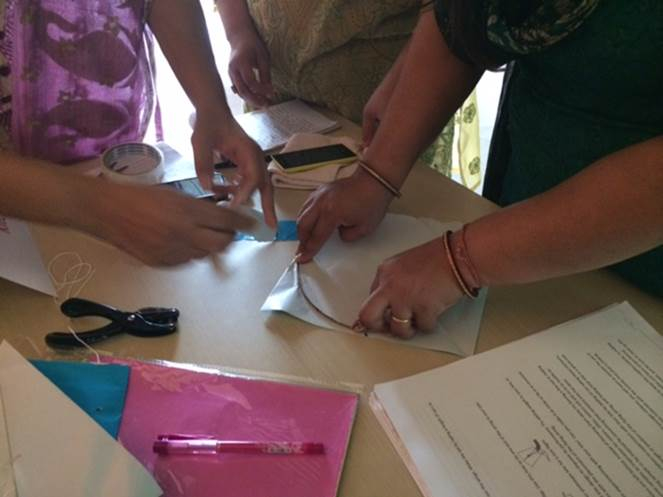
[235,17]
[42,192]
[611,211]
[393,76]
[432,85]
[180,28]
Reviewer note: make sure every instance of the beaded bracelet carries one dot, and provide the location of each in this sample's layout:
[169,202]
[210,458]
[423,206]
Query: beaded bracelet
[473,293]
[378,177]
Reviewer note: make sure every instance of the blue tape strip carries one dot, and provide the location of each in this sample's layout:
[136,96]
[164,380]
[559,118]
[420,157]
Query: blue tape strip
[286,231]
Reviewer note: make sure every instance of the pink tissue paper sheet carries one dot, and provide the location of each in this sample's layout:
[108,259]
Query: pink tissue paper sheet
[186,399]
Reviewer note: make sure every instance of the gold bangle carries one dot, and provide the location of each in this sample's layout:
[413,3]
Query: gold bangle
[454,268]
[464,256]
[376,176]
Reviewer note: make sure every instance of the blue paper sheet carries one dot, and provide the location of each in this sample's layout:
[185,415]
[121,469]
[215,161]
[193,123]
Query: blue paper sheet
[100,390]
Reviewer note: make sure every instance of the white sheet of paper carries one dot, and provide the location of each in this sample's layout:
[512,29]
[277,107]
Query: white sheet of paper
[573,411]
[57,448]
[20,260]
[339,280]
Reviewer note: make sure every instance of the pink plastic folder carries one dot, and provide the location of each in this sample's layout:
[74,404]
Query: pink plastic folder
[173,398]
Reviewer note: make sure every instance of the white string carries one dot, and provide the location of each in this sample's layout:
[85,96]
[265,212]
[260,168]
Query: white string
[75,277]
[72,282]
[86,345]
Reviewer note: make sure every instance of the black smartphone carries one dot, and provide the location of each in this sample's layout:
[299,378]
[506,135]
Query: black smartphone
[192,188]
[310,158]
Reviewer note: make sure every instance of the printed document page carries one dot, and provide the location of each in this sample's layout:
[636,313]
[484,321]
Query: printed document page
[575,411]
[273,126]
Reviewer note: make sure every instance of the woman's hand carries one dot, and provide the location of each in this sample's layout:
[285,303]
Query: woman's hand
[354,205]
[156,225]
[215,129]
[410,292]
[248,54]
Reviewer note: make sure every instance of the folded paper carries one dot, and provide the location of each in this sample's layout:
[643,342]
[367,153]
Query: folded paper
[338,281]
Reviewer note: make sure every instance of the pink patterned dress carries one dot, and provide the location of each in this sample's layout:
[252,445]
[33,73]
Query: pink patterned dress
[75,76]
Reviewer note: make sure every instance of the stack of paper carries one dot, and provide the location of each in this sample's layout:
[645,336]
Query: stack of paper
[573,411]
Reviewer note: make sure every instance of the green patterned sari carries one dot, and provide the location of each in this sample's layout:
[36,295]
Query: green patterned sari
[334,53]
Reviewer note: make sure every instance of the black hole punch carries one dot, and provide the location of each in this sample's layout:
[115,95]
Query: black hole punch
[147,322]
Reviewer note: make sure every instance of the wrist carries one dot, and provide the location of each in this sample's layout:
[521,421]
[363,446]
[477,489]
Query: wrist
[217,109]
[370,185]
[379,177]
[387,163]
[466,268]
[241,34]
[466,288]
[209,96]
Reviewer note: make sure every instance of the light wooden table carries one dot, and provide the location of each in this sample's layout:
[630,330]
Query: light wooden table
[221,323]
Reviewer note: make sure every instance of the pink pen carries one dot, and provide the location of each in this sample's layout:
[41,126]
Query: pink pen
[178,444]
